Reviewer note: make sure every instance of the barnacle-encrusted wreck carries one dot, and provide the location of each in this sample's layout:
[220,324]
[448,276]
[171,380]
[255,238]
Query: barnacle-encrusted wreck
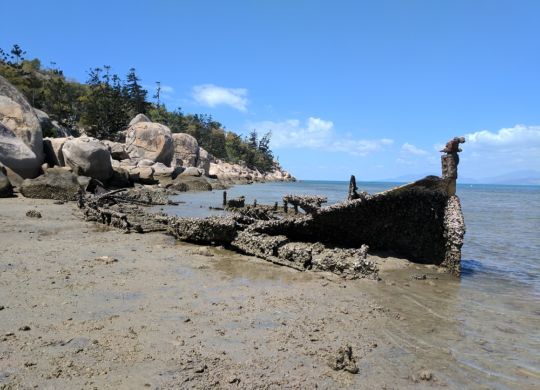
[421,221]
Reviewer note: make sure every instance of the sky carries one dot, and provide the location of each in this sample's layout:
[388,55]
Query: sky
[371,88]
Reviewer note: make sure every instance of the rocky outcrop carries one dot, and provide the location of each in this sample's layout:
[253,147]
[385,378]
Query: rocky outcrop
[153,141]
[17,115]
[186,149]
[236,173]
[88,157]
[278,174]
[16,155]
[56,183]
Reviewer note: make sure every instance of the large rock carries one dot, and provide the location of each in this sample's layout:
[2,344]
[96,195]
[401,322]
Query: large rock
[153,141]
[53,151]
[204,161]
[16,155]
[17,115]
[192,171]
[118,150]
[88,157]
[6,189]
[139,118]
[56,183]
[186,148]
[165,174]
[190,183]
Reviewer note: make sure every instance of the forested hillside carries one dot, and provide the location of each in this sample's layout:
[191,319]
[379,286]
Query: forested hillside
[105,103]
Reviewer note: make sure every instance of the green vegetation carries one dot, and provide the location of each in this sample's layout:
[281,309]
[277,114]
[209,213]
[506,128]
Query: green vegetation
[105,104]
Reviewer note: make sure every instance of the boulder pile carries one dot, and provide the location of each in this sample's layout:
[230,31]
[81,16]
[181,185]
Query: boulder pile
[150,155]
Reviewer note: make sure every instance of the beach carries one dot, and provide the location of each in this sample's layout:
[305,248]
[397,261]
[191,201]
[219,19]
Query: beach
[86,306]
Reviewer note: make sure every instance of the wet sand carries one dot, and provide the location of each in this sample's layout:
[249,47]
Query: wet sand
[84,306]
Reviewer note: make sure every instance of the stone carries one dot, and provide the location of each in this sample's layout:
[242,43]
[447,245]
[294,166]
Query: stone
[162,169]
[145,163]
[190,183]
[17,115]
[204,161]
[192,171]
[89,157]
[17,155]
[152,141]
[186,149]
[142,174]
[343,360]
[6,189]
[139,118]
[118,150]
[56,183]
[164,174]
[33,214]
[53,151]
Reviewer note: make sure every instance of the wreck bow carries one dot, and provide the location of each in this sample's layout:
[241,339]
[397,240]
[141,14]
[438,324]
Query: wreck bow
[421,221]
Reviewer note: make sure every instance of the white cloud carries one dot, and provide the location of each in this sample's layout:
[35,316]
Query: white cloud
[414,156]
[212,95]
[408,148]
[486,153]
[319,134]
[517,136]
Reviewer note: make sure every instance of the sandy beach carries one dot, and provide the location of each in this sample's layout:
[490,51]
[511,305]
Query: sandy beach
[84,306]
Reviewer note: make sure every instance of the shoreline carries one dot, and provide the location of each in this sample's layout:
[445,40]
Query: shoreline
[171,314]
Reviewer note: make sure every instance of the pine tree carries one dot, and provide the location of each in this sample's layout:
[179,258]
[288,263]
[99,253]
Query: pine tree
[17,54]
[136,94]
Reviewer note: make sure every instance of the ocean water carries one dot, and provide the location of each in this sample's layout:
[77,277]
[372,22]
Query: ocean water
[478,331]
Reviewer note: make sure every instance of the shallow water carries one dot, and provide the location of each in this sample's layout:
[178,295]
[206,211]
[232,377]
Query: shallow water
[482,330]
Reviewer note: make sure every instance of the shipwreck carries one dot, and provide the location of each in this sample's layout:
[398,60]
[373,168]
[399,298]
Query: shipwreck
[421,221]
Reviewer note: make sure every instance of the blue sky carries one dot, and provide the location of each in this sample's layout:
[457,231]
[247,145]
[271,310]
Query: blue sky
[370,88]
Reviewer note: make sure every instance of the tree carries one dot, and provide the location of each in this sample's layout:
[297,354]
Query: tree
[17,54]
[105,109]
[264,143]
[252,139]
[158,91]
[135,93]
